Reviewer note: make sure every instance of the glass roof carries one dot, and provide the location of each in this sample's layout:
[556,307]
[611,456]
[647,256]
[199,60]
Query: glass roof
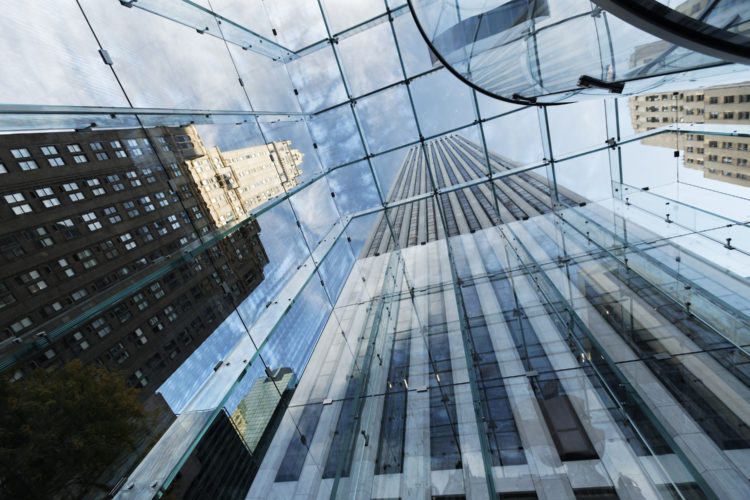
[353,87]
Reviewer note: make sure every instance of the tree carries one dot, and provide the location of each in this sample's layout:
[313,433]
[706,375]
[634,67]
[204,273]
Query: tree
[59,430]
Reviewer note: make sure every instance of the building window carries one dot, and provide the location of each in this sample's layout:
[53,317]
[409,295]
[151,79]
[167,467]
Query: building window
[743,115]
[170,313]
[728,99]
[56,162]
[713,115]
[28,165]
[6,297]
[741,146]
[49,150]
[98,191]
[51,202]
[726,160]
[101,327]
[96,146]
[18,209]
[80,159]
[726,145]
[3,170]
[36,287]
[21,324]
[713,100]
[120,153]
[102,156]
[119,353]
[741,162]
[14,198]
[74,197]
[729,115]
[20,153]
[74,148]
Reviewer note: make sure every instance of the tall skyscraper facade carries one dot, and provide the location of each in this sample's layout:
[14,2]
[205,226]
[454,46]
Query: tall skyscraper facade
[453,367]
[720,157]
[108,207]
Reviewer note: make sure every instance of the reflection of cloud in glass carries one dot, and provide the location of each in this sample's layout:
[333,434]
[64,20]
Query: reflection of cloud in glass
[387,119]
[354,188]
[317,79]
[336,134]
[370,60]
[442,102]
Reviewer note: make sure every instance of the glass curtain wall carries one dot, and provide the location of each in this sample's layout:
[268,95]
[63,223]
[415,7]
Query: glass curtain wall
[340,272]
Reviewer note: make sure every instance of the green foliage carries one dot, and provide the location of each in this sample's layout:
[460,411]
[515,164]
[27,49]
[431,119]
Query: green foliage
[60,430]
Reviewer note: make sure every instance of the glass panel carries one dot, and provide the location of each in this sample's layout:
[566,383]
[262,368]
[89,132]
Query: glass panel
[317,70]
[515,136]
[71,73]
[151,60]
[380,68]
[387,119]
[336,137]
[363,196]
[458,108]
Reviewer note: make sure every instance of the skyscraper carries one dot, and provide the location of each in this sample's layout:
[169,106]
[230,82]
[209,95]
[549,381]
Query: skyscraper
[435,383]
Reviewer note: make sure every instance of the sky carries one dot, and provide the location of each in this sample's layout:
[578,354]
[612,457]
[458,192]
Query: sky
[51,58]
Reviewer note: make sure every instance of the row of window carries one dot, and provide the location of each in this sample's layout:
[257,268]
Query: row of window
[51,153]
[73,191]
[728,160]
[727,99]
[35,282]
[741,146]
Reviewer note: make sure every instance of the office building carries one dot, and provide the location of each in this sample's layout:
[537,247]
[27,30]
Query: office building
[719,157]
[232,183]
[451,360]
[107,207]
[451,161]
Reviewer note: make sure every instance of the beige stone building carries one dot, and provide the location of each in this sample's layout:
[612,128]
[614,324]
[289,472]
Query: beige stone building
[232,183]
[720,157]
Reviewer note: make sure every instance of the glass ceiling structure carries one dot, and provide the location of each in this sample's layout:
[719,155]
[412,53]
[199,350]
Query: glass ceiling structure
[358,95]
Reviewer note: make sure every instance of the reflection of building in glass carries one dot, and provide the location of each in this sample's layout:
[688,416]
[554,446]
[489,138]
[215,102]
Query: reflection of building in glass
[232,183]
[225,462]
[220,466]
[91,212]
[720,157]
[453,367]
[257,409]
[657,55]
[538,52]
